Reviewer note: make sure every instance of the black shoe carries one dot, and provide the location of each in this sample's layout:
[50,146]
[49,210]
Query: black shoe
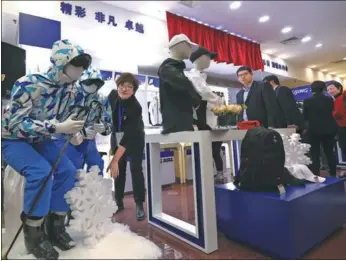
[68,218]
[120,205]
[37,243]
[56,232]
[140,211]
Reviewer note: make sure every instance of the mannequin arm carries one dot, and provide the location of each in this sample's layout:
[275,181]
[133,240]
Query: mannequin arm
[178,81]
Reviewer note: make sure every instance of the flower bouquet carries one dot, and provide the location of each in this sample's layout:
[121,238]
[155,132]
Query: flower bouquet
[226,113]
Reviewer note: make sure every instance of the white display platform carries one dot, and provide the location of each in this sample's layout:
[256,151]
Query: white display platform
[120,244]
[203,235]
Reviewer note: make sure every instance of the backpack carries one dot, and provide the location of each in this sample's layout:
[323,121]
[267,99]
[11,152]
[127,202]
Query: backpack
[262,162]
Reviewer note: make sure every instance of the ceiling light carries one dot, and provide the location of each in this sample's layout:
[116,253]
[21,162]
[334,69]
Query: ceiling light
[332,73]
[193,19]
[286,30]
[312,66]
[324,70]
[318,45]
[263,19]
[344,58]
[235,5]
[206,24]
[219,27]
[306,39]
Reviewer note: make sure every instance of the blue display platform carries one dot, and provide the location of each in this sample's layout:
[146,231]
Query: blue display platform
[285,226]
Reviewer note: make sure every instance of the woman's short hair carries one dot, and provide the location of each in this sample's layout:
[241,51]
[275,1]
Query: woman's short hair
[318,86]
[128,77]
[336,84]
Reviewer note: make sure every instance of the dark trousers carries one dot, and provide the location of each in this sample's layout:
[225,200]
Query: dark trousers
[328,145]
[216,149]
[341,136]
[138,186]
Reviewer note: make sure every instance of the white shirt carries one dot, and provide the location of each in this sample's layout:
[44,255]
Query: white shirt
[199,81]
[246,93]
[154,111]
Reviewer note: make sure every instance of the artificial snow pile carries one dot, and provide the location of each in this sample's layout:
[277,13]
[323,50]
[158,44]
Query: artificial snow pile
[296,159]
[92,205]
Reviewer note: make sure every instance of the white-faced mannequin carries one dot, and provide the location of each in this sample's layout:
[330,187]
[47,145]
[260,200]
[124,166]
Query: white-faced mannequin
[181,51]
[202,63]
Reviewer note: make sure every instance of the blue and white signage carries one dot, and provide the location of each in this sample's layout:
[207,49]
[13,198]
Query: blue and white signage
[302,93]
[106,75]
[154,81]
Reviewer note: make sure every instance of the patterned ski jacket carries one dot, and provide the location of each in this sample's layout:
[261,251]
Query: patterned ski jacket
[93,107]
[38,100]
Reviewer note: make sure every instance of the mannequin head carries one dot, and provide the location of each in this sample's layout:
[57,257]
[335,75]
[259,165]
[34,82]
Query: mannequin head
[181,47]
[201,58]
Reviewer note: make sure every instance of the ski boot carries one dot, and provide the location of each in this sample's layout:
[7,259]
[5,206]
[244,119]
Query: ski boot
[56,231]
[36,240]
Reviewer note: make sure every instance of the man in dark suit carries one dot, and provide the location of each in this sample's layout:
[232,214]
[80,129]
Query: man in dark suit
[289,114]
[321,127]
[259,99]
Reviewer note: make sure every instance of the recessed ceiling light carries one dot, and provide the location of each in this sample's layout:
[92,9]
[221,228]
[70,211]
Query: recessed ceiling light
[286,30]
[318,45]
[306,39]
[219,27]
[263,19]
[193,19]
[206,24]
[235,5]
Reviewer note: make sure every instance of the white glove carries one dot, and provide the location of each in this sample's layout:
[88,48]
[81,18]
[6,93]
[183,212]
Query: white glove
[69,126]
[90,133]
[99,127]
[77,139]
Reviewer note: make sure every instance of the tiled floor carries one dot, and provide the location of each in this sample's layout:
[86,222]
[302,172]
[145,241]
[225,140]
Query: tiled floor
[178,202]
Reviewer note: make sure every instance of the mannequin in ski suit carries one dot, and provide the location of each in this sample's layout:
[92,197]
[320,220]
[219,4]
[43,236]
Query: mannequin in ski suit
[34,115]
[82,148]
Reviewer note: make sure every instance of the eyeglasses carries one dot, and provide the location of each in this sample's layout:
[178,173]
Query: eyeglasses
[125,86]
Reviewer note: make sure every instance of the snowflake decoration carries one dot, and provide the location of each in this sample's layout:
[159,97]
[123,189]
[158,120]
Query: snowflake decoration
[295,150]
[92,205]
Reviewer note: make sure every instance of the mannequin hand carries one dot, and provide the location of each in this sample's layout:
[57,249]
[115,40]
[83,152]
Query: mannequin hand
[99,127]
[76,139]
[90,133]
[69,126]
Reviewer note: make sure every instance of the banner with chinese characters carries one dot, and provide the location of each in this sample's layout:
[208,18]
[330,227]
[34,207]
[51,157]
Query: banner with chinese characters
[111,32]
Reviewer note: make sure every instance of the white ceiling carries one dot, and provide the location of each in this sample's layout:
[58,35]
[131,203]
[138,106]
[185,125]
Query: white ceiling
[324,21]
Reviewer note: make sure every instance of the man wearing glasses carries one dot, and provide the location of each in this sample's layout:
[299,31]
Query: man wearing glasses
[259,98]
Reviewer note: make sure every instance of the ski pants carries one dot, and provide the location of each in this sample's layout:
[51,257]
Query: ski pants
[86,151]
[34,162]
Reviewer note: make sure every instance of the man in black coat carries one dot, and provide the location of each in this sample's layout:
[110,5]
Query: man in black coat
[289,114]
[259,99]
[321,127]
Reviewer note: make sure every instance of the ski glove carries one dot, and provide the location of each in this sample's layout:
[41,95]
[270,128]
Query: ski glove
[70,126]
[76,139]
[90,133]
[99,127]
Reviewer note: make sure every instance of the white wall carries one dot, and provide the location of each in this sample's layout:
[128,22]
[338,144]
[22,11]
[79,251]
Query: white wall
[296,72]
[117,47]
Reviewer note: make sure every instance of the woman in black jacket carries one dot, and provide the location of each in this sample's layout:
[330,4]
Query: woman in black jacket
[127,140]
